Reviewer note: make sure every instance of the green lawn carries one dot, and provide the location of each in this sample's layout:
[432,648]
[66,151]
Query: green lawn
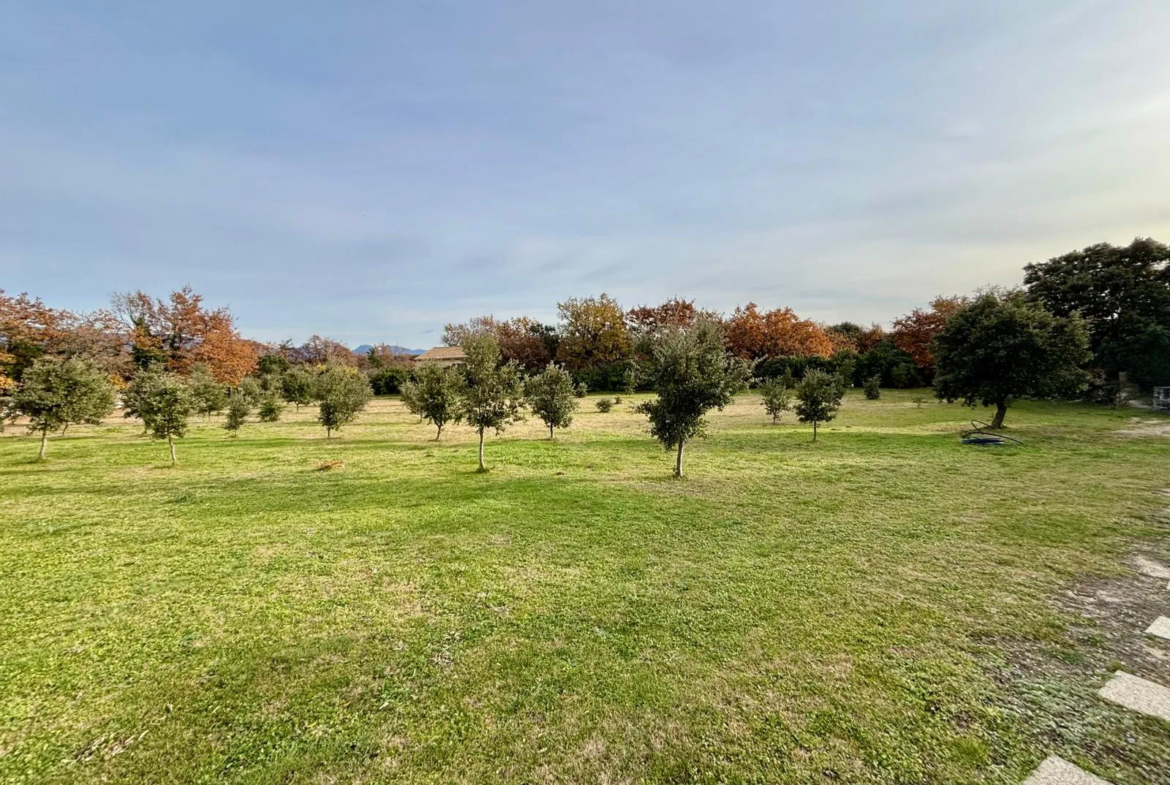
[789,612]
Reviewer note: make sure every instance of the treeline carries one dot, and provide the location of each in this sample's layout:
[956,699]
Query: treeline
[1121,292]
[1081,321]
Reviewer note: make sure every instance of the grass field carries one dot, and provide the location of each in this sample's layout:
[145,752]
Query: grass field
[882,606]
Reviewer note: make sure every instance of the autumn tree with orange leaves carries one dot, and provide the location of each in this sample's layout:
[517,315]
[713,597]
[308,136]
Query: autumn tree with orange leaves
[914,332]
[522,340]
[29,329]
[180,332]
[753,334]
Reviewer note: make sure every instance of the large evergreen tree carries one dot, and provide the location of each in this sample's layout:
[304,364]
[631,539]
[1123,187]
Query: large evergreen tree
[693,373]
[1123,294]
[1002,346]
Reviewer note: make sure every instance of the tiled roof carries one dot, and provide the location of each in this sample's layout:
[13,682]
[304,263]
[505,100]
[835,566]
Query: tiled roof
[442,353]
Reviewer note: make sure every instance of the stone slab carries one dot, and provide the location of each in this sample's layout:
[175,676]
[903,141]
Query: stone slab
[1058,771]
[1160,627]
[1138,694]
[1151,568]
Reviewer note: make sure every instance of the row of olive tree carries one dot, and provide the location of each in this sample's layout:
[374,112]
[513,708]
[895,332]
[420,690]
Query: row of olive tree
[56,393]
[489,394]
[998,347]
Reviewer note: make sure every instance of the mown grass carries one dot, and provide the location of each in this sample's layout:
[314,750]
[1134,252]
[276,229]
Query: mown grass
[789,612]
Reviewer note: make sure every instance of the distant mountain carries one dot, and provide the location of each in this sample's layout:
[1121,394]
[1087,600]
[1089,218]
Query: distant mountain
[365,349]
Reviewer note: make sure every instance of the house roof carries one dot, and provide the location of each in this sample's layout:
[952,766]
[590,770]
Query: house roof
[442,353]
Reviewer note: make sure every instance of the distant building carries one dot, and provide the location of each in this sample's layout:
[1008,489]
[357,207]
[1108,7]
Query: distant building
[443,356]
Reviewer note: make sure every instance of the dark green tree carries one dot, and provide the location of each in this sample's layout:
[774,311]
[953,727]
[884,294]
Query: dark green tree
[55,393]
[551,397]
[693,373]
[818,398]
[342,393]
[434,396]
[1123,294]
[873,388]
[490,392]
[273,364]
[1002,346]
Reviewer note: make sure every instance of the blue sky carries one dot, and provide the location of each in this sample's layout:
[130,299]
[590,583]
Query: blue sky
[369,171]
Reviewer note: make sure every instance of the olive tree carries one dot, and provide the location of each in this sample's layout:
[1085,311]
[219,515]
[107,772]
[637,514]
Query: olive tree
[693,373]
[164,402]
[238,408]
[490,391]
[1001,346]
[55,393]
[341,393]
[818,397]
[296,385]
[434,396]
[551,397]
[208,394]
[776,397]
[271,407]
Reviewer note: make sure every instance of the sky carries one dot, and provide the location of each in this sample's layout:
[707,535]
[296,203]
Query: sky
[371,171]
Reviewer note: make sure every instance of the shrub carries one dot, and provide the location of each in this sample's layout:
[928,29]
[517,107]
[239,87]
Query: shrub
[604,405]
[581,390]
[873,389]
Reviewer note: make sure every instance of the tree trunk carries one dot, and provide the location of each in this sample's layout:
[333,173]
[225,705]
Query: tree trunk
[44,443]
[1000,412]
[328,432]
[678,461]
[814,430]
[64,429]
[482,465]
[439,431]
[171,444]
[550,432]
[774,419]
